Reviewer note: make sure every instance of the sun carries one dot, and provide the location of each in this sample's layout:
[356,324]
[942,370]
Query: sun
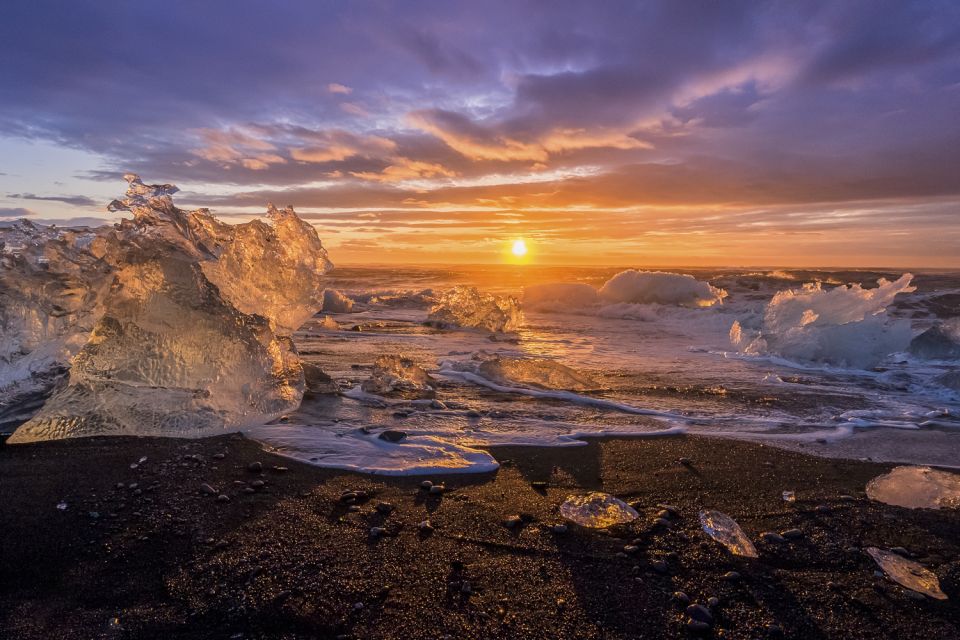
[519,248]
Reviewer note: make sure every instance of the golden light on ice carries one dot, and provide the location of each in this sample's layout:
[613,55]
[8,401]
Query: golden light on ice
[519,247]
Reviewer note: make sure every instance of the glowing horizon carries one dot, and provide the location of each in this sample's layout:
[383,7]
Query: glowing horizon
[649,134]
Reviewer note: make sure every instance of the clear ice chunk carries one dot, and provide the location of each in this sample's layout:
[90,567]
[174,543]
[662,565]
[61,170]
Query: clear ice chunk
[916,488]
[727,532]
[907,573]
[467,307]
[392,373]
[597,510]
[170,323]
[545,374]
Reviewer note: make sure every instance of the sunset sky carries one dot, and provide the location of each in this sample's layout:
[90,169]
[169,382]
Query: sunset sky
[627,133]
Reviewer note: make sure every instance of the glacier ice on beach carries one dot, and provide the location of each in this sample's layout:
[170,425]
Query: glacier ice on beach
[468,307]
[169,323]
[907,573]
[393,373]
[727,532]
[916,488]
[336,302]
[597,510]
[535,372]
[845,326]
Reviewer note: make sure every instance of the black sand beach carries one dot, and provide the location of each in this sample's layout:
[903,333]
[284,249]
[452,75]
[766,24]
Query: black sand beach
[147,552]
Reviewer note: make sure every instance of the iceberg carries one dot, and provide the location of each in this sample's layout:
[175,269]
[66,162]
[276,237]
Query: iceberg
[170,323]
[658,287]
[846,326]
[469,308]
[916,488]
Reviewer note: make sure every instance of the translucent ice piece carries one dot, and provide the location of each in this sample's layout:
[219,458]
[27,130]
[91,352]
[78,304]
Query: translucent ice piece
[169,323]
[396,373]
[916,488]
[545,374]
[467,307]
[727,532]
[597,510]
[907,573]
[789,496]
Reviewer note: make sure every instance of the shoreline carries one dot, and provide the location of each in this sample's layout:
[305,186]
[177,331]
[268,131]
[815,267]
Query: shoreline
[287,559]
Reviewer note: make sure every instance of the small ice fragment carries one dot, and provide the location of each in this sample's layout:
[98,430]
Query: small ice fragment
[62,506]
[916,488]
[789,496]
[597,510]
[727,532]
[907,573]
[142,460]
[329,323]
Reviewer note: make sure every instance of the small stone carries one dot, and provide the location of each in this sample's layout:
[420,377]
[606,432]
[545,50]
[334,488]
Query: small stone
[511,522]
[437,489]
[219,456]
[425,526]
[792,534]
[772,537]
[901,551]
[357,606]
[669,508]
[662,522]
[663,514]
[93,515]
[465,587]
[207,489]
[257,484]
[699,613]
[681,597]
[731,576]
[713,602]
[120,485]
[559,528]
[473,413]
[631,548]
[255,467]
[823,509]
[696,625]
[223,498]
[384,507]
[376,532]
[539,485]
[659,566]
[392,435]
[685,461]
[847,498]
[426,484]
[249,490]
[279,469]
[348,497]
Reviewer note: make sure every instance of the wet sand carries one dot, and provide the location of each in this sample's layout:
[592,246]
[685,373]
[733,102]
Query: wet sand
[162,558]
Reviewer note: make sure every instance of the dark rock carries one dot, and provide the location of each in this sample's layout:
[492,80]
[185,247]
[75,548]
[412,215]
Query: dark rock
[223,498]
[207,489]
[384,507]
[772,537]
[255,467]
[681,597]
[392,435]
[731,576]
[792,534]
[699,613]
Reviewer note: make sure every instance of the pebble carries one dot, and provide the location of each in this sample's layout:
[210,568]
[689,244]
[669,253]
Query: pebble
[713,602]
[792,534]
[392,435]
[770,536]
[659,566]
[255,467]
[376,532]
[249,490]
[631,548]
[539,484]
[256,484]
[663,514]
[384,507]
[700,613]
[280,469]
[206,488]
[425,526]
[437,489]
[901,551]
[847,498]
[681,597]
[120,485]
[426,484]
[559,528]
[822,508]
[223,498]
[669,508]
[731,576]
[511,522]
[685,461]
[219,456]
[473,413]
[662,522]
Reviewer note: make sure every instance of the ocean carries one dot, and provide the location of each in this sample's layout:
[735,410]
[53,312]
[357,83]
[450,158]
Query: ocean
[846,363]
